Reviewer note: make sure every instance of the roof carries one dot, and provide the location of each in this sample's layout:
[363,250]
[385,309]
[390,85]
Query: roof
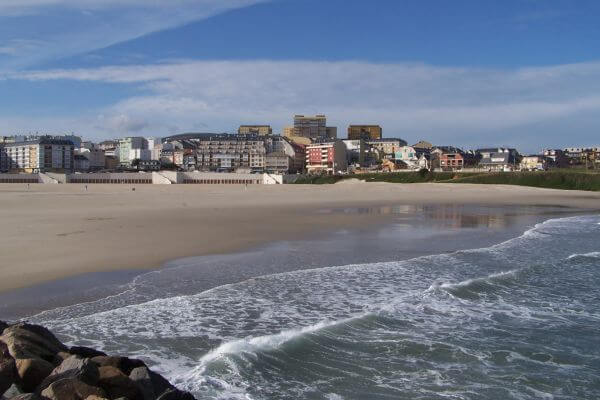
[43,140]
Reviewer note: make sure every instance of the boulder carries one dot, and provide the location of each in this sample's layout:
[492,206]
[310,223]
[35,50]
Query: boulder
[126,365]
[141,377]
[27,396]
[8,369]
[73,367]
[86,352]
[31,341]
[94,397]
[71,389]
[117,384]
[150,379]
[31,372]
[3,326]
[176,394]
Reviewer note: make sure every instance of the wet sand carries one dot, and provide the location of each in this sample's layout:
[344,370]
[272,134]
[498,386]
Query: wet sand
[52,232]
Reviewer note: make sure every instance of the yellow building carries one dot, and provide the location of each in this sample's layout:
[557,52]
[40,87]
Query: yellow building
[260,130]
[366,132]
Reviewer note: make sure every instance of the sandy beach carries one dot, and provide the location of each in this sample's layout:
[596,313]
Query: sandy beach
[55,231]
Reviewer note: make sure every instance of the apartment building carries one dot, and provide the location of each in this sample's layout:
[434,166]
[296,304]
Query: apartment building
[130,148]
[40,155]
[313,127]
[327,157]
[365,132]
[258,130]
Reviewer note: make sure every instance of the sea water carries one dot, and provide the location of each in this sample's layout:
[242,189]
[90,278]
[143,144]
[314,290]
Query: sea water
[515,320]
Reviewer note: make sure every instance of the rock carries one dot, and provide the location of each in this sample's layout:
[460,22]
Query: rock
[86,352]
[117,384]
[32,371]
[8,369]
[71,389]
[94,397]
[27,396]
[176,394]
[73,367]
[147,378]
[126,365]
[141,377]
[31,341]
[13,391]
[3,326]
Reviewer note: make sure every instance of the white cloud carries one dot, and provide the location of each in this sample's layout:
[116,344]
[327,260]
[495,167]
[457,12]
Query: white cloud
[467,106]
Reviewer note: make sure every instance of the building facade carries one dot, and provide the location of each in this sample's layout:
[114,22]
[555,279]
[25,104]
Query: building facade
[386,148]
[327,157]
[313,127]
[259,130]
[41,155]
[498,159]
[365,132]
[129,148]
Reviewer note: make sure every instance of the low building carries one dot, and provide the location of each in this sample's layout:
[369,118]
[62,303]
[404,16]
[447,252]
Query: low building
[408,155]
[498,159]
[148,165]
[534,163]
[81,163]
[423,145]
[278,163]
[356,152]
[327,157]
[556,158]
[386,148]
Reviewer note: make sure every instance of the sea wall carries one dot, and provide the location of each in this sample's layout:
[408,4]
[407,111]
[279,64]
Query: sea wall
[35,365]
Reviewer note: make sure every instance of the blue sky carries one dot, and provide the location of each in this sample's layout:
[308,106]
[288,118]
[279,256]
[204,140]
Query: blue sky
[515,72]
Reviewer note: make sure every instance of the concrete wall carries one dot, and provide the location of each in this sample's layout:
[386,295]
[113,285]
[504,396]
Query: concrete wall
[20,178]
[112,178]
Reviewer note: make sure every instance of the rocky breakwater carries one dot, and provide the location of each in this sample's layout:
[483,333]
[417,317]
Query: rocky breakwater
[35,365]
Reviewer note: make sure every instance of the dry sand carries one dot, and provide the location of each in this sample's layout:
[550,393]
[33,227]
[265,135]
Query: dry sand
[54,231]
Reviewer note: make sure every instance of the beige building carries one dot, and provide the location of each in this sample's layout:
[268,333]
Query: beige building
[366,132]
[313,127]
[260,130]
[41,155]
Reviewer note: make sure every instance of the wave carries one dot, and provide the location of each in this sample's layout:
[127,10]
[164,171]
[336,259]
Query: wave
[594,254]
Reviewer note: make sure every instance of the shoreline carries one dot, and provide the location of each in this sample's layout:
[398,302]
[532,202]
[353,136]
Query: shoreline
[111,228]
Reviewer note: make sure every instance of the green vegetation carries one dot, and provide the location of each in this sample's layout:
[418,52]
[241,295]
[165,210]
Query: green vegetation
[551,179]
[560,179]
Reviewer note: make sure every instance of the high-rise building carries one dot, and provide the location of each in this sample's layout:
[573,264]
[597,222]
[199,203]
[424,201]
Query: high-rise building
[365,132]
[40,155]
[259,130]
[313,127]
[130,149]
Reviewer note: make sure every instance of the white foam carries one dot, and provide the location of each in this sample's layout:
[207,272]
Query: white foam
[594,254]
[468,282]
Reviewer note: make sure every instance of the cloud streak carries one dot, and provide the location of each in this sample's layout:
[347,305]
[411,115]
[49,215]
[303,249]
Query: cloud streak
[64,28]
[467,106]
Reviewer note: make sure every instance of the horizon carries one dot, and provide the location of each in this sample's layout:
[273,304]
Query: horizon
[471,74]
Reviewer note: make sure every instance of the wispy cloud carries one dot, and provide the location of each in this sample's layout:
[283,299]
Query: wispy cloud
[63,28]
[447,105]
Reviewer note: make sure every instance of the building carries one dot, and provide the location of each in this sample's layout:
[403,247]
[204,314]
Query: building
[498,159]
[313,127]
[386,148]
[356,152]
[81,163]
[365,132]
[409,156]
[423,145]
[327,157]
[96,159]
[534,163]
[259,130]
[278,163]
[130,149]
[448,159]
[556,158]
[41,155]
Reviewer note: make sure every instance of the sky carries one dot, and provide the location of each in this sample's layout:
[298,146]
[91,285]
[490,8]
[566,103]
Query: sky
[472,73]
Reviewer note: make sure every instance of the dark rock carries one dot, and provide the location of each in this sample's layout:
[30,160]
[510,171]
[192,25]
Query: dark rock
[141,377]
[3,326]
[176,394]
[31,341]
[32,371]
[8,369]
[73,367]
[117,384]
[126,365]
[27,396]
[86,352]
[71,389]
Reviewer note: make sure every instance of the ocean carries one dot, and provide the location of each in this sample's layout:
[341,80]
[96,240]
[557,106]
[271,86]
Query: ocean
[495,312]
